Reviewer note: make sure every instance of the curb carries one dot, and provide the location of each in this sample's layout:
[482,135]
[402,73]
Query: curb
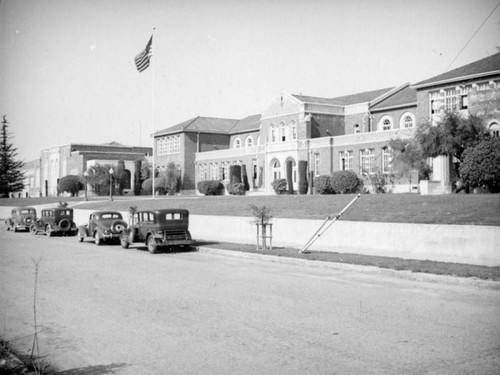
[404,275]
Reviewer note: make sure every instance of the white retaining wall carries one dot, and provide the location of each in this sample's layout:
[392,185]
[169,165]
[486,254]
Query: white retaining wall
[449,243]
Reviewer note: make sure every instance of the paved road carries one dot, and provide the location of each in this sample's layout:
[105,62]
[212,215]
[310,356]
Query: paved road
[104,309]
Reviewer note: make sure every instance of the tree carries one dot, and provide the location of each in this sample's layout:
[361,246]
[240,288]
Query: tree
[99,178]
[481,165]
[121,176]
[408,156]
[11,176]
[71,184]
[173,179]
[137,177]
[451,136]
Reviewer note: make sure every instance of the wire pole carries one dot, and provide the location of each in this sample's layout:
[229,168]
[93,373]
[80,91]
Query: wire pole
[153,171]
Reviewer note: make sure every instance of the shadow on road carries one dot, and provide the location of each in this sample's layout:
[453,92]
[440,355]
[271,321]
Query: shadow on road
[93,370]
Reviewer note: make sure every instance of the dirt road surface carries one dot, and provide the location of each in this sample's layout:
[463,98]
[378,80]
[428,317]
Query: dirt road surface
[107,310]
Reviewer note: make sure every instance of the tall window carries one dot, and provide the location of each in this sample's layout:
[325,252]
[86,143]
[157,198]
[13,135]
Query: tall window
[283,132]
[366,159]
[203,172]
[450,100]
[224,171]
[237,143]
[387,160]
[214,171]
[293,128]
[356,129]
[345,158]
[273,133]
[276,169]
[316,164]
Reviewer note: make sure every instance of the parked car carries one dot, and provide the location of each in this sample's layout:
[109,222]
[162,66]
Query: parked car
[102,226]
[21,218]
[55,221]
[166,228]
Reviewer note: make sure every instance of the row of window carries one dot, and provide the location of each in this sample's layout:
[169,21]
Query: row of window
[248,142]
[367,164]
[407,120]
[283,132]
[168,145]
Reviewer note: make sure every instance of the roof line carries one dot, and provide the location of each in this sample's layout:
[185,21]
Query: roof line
[462,78]
[385,95]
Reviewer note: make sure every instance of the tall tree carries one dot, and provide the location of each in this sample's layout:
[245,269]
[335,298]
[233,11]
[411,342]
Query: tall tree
[451,136]
[11,176]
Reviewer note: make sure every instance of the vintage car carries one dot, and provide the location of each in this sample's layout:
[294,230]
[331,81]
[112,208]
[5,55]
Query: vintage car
[21,218]
[55,221]
[165,228]
[102,226]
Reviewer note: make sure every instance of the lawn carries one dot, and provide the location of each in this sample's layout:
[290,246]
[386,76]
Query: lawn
[473,209]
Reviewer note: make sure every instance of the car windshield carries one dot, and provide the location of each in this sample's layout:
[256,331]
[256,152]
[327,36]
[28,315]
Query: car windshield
[111,215]
[27,211]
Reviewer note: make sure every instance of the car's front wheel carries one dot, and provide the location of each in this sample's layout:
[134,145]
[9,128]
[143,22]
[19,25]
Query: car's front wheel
[152,245]
[48,230]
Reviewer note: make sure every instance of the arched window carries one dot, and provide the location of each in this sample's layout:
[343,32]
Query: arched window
[356,129]
[385,123]
[494,129]
[407,120]
[276,169]
[237,143]
[249,141]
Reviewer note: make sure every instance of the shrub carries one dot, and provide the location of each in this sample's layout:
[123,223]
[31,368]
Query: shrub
[71,184]
[237,188]
[481,165]
[137,177]
[289,172]
[235,174]
[173,182]
[245,177]
[323,185]
[279,186]
[345,182]
[147,186]
[210,187]
[303,184]
[379,182]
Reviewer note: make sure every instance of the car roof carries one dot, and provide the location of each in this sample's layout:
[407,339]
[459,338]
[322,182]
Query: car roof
[167,210]
[105,212]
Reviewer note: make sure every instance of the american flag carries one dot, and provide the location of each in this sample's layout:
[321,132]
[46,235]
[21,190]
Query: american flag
[142,59]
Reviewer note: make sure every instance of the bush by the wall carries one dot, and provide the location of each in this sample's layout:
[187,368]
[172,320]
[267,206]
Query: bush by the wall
[345,182]
[235,174]
[279,186]
[303,184]
[245,177]
[481,165]
[289,172]
[71,184]
[137,177]
[323,185]
[147,186]
[237,188]
[210,187]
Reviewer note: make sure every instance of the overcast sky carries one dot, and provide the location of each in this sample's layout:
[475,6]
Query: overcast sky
[67,69]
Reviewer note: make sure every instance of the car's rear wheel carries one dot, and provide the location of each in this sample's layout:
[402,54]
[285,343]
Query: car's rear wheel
[152,245]
[97,239]
[48,230]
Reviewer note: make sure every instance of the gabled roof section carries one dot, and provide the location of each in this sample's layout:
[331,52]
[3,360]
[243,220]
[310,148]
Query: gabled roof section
[247,124]
[481,68]
[361,97]
[406,96]
[201,124]
[315,100]
[113,143]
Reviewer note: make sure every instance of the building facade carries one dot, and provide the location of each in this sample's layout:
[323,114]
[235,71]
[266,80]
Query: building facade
[42,175]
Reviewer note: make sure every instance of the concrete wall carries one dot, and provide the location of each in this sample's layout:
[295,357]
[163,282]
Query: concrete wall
[447,243]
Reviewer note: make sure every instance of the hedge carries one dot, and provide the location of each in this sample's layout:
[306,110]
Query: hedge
[303,184]
[210,187]
[279,186]
[323,185]
[345,182]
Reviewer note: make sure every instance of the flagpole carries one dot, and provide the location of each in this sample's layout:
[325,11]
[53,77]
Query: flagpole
[153,113]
